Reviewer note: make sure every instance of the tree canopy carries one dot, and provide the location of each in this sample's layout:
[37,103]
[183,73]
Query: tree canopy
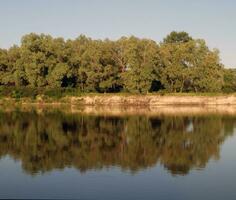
[178,64]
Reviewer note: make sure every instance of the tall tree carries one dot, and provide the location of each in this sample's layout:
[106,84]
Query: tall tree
[140,63]
[190,66]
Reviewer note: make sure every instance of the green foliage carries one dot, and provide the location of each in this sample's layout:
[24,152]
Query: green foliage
[20,92]
[179,64]
[58,93]
[229,80]
[140,61]
[177,37]
[190,67]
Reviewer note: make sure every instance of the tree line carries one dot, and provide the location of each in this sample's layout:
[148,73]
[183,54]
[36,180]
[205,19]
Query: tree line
[130,64]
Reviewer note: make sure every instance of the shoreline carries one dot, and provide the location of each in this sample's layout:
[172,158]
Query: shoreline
[128,100]
[129,105]
[154,100]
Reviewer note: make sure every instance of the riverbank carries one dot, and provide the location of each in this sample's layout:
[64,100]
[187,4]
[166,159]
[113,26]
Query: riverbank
[152,100]
[129,100]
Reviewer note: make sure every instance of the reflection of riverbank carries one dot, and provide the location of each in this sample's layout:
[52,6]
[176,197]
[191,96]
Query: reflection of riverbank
[126,110]
[155,111]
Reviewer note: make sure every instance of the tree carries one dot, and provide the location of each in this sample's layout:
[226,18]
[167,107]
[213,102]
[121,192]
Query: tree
[229,80]
[110,80]
[34,56]
[16,62]
[179,64]
[5,71]
[207,76]
[177,37]
[190,67]
[140,63]
[58,76]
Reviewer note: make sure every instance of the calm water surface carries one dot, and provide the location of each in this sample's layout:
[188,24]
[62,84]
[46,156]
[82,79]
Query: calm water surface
[57,154]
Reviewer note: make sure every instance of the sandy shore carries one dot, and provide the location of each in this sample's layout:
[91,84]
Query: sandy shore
[130,105]
[153,100]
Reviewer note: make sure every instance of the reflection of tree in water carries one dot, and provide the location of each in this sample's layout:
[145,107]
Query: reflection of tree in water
[52,140]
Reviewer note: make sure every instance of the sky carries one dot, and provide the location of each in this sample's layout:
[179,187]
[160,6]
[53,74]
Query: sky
[212,20]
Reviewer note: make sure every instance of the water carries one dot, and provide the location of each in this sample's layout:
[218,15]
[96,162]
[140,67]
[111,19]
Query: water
[53,153]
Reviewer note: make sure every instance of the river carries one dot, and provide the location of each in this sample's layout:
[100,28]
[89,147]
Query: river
[96,154]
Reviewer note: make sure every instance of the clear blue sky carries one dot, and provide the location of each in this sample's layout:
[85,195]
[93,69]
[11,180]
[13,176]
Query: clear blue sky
[213,20]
